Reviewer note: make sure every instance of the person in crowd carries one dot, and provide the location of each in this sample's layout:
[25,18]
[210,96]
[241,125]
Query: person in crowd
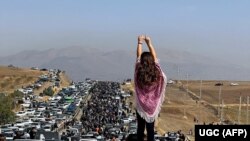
[64,137]
[55,126]
[18,135]
[150,82]
[113,138]
[32,133]
[2,137]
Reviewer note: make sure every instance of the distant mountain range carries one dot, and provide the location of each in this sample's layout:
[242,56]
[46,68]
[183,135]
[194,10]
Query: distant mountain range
[117,65]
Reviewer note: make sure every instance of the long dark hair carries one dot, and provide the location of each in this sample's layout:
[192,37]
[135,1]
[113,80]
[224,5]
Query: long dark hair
[147,73]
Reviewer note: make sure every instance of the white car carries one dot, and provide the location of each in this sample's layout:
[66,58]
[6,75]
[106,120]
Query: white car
[36,124]
[26,105]
[38,85]
[34,68]
[30,111]
[65,105]
[37,114]
[27,121]
[127,120]
[21,113]
[78,103]
[73,130]
[47,128]
[20,128]
[28,90]
[6,126]
[126,95]
[58,111]
[51,121]
[234,84]
[88,139]
[171,82]
[53,103]
[79,98]
[55,98]
[41,108]
[131,117]
[19,123]
[21,90]
[39,119]
[9,135]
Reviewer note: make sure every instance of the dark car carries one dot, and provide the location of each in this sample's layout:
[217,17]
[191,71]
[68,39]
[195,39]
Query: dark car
[219,84]
[44,69]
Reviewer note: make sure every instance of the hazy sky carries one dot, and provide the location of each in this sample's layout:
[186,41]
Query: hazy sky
[216,28]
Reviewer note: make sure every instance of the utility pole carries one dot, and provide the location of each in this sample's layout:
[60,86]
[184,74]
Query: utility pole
[187,86]
[219,101]
[222,111]
[200,89]
[247,110]
[239,114]
[178,74]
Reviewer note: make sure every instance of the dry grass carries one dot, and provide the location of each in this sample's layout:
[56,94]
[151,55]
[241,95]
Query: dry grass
[65,80]
[172,112]
[230,94]
[14,78]
[179,109]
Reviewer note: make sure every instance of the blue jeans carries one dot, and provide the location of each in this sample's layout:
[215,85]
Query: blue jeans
[141,127]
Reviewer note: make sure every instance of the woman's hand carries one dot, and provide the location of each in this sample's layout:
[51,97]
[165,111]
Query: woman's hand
[151,47]
[147,39]
[141,38]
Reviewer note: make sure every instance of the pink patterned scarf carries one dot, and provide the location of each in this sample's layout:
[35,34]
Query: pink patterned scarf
[149,99]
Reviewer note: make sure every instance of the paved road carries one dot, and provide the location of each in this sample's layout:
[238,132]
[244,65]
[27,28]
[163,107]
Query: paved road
[79,114]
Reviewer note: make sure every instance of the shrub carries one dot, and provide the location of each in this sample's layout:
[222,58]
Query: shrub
[6,113]
[48,91]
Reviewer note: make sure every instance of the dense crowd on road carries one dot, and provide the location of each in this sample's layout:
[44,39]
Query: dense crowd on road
[106,115]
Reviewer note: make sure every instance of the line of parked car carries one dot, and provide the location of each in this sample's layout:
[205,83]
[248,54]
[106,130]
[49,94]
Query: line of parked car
[52,76]
[47,116]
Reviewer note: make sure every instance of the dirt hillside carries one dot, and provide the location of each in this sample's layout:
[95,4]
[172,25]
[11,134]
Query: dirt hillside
[12,78]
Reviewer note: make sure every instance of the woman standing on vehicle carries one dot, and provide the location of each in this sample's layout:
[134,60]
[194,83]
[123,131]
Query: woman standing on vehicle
[150,82]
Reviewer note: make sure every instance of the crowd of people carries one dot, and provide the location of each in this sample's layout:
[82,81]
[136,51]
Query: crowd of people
[106,107]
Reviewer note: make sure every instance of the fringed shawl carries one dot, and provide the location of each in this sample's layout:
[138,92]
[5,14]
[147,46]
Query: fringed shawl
[149,99]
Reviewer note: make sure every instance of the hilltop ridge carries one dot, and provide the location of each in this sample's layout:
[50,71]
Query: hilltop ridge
[85,62]
[13,78]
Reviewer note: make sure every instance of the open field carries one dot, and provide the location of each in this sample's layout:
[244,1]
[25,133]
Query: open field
[14,78]
[210,92]
[179,109]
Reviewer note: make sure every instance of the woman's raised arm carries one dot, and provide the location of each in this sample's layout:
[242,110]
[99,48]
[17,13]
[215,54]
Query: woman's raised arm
[139,45]
[151,47]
